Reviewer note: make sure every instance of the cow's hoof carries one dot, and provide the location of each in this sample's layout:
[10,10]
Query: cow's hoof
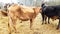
[9,33]
[16,32]
[57,28]
[21,22]
[45,23]
[30,28]
[42,23]
[48,23]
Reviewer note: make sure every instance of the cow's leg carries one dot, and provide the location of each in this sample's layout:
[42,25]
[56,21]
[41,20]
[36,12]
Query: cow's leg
[58,24]
[9,25]
[45,19]
[21,21]
[14,24]
[42,18]
[48,20]
[9,28]
[31,20]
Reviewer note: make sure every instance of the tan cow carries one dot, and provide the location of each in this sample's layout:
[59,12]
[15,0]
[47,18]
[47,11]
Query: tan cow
[23,13]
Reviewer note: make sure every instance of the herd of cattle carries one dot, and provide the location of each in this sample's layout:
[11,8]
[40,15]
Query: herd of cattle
[25,13]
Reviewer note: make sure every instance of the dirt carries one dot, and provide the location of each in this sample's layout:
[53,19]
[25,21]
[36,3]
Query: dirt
[23,27]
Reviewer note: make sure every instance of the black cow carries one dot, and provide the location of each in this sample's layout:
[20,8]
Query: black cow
[50,11]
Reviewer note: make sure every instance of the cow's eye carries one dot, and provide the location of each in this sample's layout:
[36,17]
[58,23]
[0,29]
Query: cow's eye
[41,9]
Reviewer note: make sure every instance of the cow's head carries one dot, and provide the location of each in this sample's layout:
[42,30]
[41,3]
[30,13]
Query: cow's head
[37,9]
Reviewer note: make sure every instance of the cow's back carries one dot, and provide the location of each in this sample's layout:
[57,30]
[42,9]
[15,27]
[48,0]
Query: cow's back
[21,12]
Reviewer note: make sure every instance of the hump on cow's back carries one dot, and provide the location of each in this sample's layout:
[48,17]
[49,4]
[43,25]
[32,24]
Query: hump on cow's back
[29,10]
[26,9]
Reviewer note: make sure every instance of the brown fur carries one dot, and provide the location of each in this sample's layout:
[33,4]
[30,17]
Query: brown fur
[23,13]
[54,17]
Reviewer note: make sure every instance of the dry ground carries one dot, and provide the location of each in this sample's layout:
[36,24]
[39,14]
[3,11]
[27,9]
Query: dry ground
[23,27]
